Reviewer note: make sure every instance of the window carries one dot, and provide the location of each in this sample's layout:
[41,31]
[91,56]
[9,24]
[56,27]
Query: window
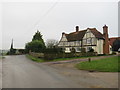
[89,48]
[89,41]
[67,50]
[78,49]
[84,41]
[77,43]
[110,49]
[93,41]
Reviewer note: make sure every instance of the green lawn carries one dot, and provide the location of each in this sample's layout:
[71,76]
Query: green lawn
[110,64]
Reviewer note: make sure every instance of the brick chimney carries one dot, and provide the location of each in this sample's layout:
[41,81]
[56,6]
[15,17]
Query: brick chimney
[106,41]
[77,28]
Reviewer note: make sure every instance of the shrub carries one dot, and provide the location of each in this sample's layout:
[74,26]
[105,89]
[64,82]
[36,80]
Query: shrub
[35,46]
[91,50]
[53,50]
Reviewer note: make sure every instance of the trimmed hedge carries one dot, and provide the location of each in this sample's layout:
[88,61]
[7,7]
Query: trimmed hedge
[55,53]
[51,56]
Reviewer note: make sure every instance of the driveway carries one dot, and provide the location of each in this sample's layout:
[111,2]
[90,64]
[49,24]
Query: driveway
[20,72]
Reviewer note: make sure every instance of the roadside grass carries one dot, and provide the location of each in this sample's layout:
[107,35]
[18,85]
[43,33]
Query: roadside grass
[62,59]
[59,59]
[110,64]
[34,58]
[2,57]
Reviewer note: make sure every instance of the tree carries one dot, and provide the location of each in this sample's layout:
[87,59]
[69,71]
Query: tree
[37,44]
[51,43]
[116,45]
[38,36]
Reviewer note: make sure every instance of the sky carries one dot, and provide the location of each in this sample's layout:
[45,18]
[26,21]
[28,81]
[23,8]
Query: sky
[19,20]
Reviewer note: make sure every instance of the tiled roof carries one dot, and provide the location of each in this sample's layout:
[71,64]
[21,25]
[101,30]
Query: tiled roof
[97,33]
[77,36]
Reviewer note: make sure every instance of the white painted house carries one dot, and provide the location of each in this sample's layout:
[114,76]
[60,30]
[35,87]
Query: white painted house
[88,39]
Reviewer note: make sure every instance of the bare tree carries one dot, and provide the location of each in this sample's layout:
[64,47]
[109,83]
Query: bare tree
[50,43]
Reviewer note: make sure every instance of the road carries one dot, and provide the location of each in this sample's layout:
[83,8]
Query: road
[20,72]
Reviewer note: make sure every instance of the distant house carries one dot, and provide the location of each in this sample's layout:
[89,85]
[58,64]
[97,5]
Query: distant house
[88,39]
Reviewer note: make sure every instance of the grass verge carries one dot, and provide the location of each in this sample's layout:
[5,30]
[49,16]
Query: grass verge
[110,64]
[1,57]
[59,59]
[62,59]
[34,58]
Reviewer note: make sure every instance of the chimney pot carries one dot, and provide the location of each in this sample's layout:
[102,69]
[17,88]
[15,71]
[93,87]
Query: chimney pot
[77,28]
[105,26]
[63,33]
[105,29]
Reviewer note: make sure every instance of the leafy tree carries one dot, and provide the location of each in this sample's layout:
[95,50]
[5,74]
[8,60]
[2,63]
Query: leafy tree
[37,36]
[37,44]
[116,45]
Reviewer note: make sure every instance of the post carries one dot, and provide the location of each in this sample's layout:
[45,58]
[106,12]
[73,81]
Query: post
[89,59]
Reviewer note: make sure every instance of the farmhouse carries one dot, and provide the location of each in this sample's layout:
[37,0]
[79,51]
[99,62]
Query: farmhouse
[88,39]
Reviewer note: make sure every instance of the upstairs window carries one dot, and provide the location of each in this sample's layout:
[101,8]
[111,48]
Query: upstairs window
[89,41]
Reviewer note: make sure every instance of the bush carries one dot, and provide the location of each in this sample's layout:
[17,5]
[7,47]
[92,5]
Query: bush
[83,50]
[91,50]
[51,56]
[35,46]
[53,53]
[53,50]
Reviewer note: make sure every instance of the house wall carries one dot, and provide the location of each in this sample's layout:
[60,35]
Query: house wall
[63,41]
[75,43]
[69,45]
[99,47]
[89,40]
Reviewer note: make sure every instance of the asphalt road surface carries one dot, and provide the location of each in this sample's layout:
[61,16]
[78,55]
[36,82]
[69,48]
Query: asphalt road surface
[20,72]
